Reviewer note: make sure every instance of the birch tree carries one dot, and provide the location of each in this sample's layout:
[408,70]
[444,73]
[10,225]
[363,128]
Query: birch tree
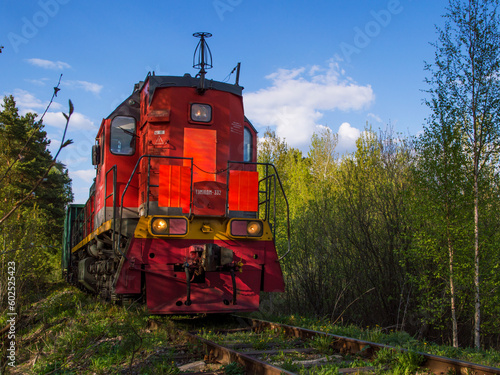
[465,79]
[441,205]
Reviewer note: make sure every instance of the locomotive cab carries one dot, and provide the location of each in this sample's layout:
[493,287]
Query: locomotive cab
[191,136]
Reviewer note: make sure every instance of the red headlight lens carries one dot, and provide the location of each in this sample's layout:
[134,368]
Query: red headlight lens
[178,226]
[239,227]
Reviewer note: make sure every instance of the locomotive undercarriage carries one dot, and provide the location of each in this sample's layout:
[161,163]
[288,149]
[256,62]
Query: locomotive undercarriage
[95,266]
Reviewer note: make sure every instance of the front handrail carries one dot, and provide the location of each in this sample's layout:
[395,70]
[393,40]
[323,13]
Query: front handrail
[267,200]
[148,186]
[269,179]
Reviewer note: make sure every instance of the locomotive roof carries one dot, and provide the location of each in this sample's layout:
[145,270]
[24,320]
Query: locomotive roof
[188,81]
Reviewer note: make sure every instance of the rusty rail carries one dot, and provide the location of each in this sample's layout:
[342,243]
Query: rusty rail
[347,345]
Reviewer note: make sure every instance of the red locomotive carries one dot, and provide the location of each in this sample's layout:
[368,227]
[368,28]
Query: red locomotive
[180,213]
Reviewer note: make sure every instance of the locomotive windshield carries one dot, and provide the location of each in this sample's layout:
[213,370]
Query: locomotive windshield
[123,135]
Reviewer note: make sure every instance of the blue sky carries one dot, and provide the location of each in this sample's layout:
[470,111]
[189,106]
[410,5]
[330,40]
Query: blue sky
[305,65]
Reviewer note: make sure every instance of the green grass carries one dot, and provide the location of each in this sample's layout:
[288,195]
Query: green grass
[266,339]
[70,332]
[233,368]
[322,344]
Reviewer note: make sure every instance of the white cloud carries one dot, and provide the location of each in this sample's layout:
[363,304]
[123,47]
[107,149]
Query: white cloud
[74,160]
[77,121]
[86,86]
[374,117]
[86,175]
[81,122]
[348,136]
[25,100]
[47,64]
[38,82]
[297,100]
[55,119]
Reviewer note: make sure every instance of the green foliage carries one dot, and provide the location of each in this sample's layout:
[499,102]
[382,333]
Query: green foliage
[323,344]
[408,363]
[160,367]
[289,365]
[373,232]
[31,236]
[385,357]
[259,341]
[456,176]
[347,214]
[233,368]
[442,205]
[325,370]
[399,362]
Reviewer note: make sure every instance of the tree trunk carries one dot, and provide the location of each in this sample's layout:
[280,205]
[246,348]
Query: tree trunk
[477,302]
[452,293]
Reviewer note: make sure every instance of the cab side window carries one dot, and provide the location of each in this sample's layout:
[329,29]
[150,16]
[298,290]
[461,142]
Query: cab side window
[247,145]
[122,139]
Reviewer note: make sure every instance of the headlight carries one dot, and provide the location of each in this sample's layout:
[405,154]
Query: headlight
[246,228]
[159,226]
[254,228]
[168,226]
[201,112]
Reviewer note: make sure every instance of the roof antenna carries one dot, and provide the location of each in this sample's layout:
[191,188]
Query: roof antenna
[202,58]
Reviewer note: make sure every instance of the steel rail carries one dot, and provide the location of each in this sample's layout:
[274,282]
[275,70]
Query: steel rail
[347,345]
[225,355]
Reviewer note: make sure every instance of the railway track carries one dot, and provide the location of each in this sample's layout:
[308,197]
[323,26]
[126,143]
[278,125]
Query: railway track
[252,346]
[262,347]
